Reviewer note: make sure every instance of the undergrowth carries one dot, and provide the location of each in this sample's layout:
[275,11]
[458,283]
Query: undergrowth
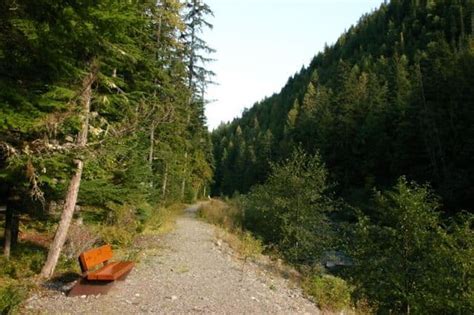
[243,243]
[12,293]
[163,219]
[25,262]
[328,292]
[228,216]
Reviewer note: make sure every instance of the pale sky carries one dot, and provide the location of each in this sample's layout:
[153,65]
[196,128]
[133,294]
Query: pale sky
[261,43]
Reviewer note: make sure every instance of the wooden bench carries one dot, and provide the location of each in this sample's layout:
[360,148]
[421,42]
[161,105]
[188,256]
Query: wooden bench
[110,271]
[98,273]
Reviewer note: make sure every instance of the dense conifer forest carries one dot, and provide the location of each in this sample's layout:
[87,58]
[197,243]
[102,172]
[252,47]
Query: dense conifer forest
[102,111]
[366,155]
[393,96]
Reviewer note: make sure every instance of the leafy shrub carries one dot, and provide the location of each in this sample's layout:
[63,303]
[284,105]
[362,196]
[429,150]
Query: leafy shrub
[144,212]
[26,261]
[250,246]
[328,292]
[406,261]
[291,208]
[123,215]
[116,235]
[121,225]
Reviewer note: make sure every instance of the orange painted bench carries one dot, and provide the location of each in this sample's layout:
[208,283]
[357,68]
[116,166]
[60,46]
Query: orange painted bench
[110,271]
[98,272]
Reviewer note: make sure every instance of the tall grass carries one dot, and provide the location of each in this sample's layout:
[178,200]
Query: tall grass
[229,217]
[26,261]
[328,292]
[163,219]
[12,293]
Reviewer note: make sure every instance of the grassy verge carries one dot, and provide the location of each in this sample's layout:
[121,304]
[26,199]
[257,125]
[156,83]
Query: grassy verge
[12,293]
[164,220]
[228,217]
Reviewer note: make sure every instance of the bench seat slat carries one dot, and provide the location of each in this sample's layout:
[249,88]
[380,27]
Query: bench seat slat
[111,271]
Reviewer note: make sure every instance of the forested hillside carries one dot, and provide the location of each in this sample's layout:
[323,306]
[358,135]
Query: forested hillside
[393,96]
[101,109]
[360,171]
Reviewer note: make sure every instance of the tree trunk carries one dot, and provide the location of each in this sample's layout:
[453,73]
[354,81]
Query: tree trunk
[73,189]
[10,234]
[152,144]
[15,228]
[66,217]
[151,153]
[183,183]
[165,182]
[472,22]
[425,124]
[7,234]
[183,188]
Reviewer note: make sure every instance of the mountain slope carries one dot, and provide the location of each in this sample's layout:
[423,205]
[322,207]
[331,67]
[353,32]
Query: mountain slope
[392,97]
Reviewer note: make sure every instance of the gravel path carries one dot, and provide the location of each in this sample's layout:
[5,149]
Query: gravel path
[191,273]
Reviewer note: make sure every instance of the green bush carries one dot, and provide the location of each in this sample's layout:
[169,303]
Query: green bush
[407,261]
[122,224]
[143,215]
[144,212]
[291,208]
[116,235]
[328,292]
[26,261]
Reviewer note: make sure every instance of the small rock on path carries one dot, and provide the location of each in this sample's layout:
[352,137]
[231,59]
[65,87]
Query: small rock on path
[192,274]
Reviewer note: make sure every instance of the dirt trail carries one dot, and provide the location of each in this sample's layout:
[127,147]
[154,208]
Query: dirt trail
[191,273]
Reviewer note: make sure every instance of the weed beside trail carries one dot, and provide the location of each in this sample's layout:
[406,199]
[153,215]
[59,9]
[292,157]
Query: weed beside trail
[226,215]
[163,219]
[328,292]
[229,217]
[15,273]
[12,294]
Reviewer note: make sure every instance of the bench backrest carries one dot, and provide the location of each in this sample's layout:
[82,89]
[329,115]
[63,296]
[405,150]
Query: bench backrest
[94,257]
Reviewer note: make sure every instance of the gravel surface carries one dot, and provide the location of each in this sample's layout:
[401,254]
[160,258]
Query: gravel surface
[192,272]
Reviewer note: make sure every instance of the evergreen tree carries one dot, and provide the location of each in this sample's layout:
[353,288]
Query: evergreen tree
[405,261]
[291,208]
